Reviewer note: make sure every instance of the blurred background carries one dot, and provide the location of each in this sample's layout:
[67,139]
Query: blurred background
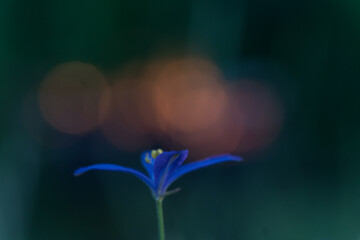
[86,82]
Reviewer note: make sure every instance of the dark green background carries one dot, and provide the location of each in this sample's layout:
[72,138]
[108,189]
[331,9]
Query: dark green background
[305,186]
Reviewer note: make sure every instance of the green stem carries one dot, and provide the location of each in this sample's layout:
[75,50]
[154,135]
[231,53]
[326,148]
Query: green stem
[160,218]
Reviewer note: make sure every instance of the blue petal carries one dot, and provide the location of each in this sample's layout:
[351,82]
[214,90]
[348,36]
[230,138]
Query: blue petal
[200,164]
[160,164]
[166,163]
[113,167]
[174,165]
[148,166]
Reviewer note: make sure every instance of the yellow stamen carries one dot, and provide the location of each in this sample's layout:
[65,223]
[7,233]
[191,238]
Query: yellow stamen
[155,153]
[147,158]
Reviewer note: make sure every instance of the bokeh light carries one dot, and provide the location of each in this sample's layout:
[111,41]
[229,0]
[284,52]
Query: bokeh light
[183,103]
[131,118]
[258,112]
[74,97]
[177,103]
[188,94]
[250,121]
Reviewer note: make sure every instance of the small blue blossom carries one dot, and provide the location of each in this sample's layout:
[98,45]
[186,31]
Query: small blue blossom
[163,168]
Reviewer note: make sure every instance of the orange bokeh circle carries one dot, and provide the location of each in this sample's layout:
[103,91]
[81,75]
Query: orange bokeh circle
[73,97]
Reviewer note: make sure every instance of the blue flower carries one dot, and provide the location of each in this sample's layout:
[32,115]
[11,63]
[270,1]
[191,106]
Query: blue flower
[163,168]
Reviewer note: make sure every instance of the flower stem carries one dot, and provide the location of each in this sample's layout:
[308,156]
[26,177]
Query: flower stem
[160,218]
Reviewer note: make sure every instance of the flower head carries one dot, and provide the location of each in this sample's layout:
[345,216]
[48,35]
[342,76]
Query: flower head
[163,168]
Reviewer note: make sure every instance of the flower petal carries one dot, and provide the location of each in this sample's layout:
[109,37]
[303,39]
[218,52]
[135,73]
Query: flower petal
[166,163]
[113,167]
[161,163]
[148,166]
[200,164]
[174,165]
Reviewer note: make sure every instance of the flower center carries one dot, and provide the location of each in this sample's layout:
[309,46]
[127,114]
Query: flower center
[154,154]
